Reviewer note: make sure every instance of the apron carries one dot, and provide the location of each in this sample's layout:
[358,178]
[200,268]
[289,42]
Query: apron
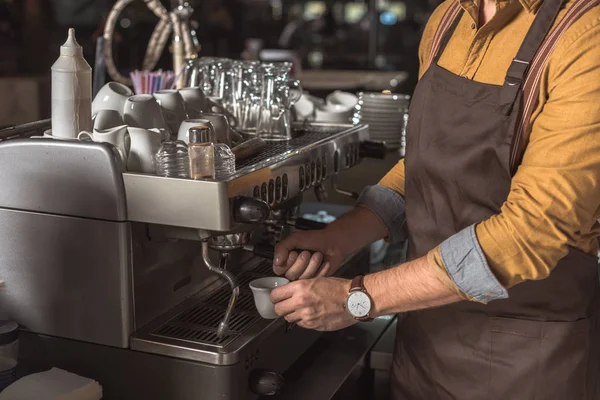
[537,344]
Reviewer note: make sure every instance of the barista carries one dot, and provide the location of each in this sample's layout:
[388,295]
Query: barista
[498,196]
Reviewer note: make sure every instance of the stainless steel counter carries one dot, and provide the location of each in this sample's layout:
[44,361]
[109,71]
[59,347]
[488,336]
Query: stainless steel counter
[322,371]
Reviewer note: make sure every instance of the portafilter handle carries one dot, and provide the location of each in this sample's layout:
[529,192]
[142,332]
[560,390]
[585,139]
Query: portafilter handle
[267,251]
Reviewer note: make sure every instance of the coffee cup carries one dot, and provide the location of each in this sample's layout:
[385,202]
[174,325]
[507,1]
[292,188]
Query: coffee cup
[173,107]
[333,113]
[145,143]
[143,111]
[261,290]
[221,126]
[195,101]
[111,96]
[344,99]
[106,119]
[117,136]
[184,128]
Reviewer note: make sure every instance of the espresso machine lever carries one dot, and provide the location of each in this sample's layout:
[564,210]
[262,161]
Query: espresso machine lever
[342,191]
[235,287]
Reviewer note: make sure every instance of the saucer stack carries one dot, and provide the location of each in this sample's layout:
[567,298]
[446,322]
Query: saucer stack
[386,115]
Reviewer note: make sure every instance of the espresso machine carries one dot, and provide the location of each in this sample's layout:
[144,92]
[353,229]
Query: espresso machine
[140,281]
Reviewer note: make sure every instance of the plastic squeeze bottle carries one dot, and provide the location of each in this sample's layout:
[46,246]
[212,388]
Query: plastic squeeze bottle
[71,91]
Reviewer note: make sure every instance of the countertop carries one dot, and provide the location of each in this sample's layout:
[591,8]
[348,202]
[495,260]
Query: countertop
[352,80]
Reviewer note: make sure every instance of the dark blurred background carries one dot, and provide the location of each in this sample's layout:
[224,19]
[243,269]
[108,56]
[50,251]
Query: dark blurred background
[356,35]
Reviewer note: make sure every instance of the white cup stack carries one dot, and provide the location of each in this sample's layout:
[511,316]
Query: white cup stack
[386,115]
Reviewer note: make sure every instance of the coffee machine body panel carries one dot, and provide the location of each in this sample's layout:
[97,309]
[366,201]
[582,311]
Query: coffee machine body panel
[62,177]
[67,276]
[165,272]
[277,175]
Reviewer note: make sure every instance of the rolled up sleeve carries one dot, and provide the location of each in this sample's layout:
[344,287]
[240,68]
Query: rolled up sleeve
[388,205]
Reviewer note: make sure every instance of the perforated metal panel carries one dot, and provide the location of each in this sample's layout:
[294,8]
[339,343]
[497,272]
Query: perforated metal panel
[198,323]
[305,136]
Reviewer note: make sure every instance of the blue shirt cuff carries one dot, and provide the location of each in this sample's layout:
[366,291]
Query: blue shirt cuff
[468,268]
[388,205]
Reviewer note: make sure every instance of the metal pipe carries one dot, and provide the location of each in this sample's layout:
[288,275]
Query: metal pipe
[235,287]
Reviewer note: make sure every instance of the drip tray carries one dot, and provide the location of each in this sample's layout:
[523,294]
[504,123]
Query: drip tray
[189,331]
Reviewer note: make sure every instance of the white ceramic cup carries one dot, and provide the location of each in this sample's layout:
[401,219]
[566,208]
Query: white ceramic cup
[143,111]
[345,99]
[184,128]
[117,136]
[145,143]
[195,101]
[111,96]
[304,108]
[261,290]
[333,113]
[221,125]
[106,119]
[172,106]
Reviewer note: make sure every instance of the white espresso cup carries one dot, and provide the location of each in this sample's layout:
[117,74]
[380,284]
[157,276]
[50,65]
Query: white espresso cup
[261,290]
[143,111]
[117,136]
[195,101]
[221,125]
[111,96]
[145,143]
[184,128]
[106,119]
[345,99]
[333,113]
[172,106]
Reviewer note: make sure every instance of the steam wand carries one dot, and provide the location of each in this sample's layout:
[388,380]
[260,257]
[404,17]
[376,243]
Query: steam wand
[235,287]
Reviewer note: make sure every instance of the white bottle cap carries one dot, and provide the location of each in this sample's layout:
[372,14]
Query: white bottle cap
[71,47]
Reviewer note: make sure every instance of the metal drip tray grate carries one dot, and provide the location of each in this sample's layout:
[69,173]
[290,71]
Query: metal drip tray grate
[305,136]
[195,325]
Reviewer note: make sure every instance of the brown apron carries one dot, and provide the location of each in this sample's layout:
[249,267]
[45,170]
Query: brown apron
[538,344]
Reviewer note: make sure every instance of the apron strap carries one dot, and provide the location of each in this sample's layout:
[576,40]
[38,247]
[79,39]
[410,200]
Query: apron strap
[441,37]
[531,86]
[533,40]
[519,67]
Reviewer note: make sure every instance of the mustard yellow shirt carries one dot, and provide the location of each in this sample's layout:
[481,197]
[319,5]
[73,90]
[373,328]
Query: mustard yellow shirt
[554,201]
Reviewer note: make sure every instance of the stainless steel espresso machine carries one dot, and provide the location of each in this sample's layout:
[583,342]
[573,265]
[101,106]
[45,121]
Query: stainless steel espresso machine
[141,282]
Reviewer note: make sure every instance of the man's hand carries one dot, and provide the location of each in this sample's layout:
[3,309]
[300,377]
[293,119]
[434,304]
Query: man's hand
[358,228]
[316,304]
[326,259]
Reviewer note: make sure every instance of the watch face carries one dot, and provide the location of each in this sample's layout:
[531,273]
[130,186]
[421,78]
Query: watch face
[358,304]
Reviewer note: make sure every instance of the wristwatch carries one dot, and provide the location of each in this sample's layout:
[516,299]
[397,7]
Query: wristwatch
[358,303]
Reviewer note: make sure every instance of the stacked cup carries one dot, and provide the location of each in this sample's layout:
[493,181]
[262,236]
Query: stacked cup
[386,115]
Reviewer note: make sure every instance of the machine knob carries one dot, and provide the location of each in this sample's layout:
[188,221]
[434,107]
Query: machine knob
[250,210]
[265,383]
[370,149]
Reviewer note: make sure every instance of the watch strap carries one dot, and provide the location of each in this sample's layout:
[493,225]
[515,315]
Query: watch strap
[356,285]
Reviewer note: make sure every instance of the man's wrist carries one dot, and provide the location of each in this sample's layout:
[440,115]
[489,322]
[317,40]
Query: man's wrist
[370,282]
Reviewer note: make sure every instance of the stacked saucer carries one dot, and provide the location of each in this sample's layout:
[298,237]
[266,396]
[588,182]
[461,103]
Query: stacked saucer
[386,115]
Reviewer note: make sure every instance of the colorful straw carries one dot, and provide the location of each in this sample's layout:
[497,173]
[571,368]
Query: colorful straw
[148,82]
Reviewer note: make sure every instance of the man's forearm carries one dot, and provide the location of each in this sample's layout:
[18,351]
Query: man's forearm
[356,229]
[410,286]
